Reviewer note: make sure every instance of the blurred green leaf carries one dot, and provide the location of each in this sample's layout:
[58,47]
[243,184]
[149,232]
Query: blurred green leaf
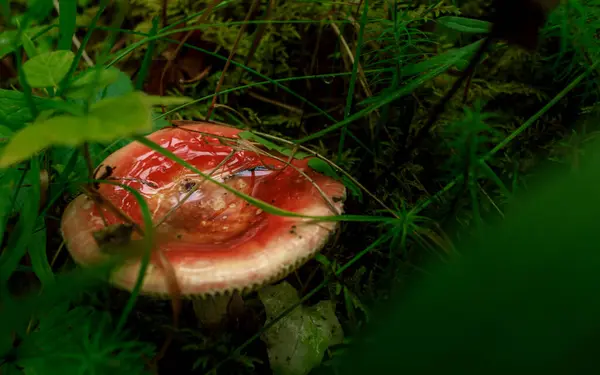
[39,9]
[521,297]
[121,86]
[107,120]
[465,25]
[79,88]
[48,69]
[5,132]
[7,38]
[14,111]
[297,343]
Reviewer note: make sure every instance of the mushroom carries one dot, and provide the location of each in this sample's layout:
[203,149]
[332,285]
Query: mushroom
[216,242]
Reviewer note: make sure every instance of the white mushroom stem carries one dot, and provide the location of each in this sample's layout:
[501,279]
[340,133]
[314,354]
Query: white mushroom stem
[211,310]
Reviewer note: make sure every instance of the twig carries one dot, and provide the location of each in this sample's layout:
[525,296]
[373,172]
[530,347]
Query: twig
[348,175]
[288,163]
[99,199]
[193,190]
[275,102]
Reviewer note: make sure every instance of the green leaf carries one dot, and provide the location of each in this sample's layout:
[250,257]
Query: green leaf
[297,343]
[121,86]
[14,112]
[48,69]
[465,25]
[354,190]
[7,38]
[79,88]
[272,146]
[29,46]
[107,120]
[323,167]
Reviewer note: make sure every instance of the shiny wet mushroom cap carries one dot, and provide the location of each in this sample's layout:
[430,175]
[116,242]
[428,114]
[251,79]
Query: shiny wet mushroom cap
[216,242]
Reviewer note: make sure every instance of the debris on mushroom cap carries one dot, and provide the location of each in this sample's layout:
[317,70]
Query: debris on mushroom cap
[216,241]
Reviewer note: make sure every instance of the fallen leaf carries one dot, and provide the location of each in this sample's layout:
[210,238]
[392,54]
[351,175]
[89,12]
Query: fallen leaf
[296,344]
[188,65]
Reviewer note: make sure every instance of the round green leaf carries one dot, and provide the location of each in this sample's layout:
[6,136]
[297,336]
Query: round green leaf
[48,69]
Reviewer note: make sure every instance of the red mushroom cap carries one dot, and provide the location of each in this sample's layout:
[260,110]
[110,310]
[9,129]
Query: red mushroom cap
[215,241]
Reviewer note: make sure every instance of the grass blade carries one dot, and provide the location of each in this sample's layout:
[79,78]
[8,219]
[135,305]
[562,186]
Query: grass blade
[20,238]
[516,133]
[65,82]
[352,86]
[66,23]
[257,202]
[149,244]
[9,184]
[145,68]
[39,259]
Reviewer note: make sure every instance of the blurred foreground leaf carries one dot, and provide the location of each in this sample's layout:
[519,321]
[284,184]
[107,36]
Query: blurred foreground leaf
[107,120]
[79,89]
[523,297]
[8,39]
[297,343]
[14,112]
